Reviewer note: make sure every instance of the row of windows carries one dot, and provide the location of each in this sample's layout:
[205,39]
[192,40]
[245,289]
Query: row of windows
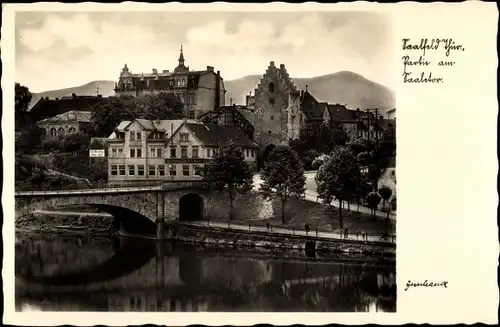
[57,132]
[155,170]
[158,152]
[135,136]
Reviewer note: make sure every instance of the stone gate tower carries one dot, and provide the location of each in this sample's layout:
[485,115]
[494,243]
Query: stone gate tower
[277,108]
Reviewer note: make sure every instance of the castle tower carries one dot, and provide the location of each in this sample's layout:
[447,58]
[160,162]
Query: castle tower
[276,102]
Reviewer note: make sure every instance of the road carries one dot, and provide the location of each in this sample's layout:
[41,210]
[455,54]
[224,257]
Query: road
[280,230]
[312,195]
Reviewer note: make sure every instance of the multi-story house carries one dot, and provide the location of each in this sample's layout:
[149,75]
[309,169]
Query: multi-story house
[70,122]
[199,90]
[144,151]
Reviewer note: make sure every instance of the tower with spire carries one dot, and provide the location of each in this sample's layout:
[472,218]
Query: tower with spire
[199,91]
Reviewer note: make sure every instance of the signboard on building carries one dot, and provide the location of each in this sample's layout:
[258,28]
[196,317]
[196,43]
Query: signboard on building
[97,153]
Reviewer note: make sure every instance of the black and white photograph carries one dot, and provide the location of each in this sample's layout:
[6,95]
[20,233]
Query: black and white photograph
[205,161]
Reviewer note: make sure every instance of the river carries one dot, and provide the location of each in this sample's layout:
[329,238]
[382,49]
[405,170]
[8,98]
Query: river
[83,273]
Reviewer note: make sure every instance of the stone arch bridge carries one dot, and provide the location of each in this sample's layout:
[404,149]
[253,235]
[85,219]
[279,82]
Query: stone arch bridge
[139,210]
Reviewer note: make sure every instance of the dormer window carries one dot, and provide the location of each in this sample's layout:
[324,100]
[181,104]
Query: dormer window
[184,136]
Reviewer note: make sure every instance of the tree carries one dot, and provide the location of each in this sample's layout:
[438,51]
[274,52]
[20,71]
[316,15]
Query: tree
[229,169]
[283,175]
[373,200]
[385,192]
[28,139]
[107,114]
[338,177]
[77,142]
[22,100]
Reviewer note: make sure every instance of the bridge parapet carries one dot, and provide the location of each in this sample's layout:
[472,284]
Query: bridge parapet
[165,186]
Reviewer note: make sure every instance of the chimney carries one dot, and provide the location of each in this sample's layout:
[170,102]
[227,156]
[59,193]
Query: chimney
[271,64]
[73,95]
[165,71]
[217,91]
[301,93]
[282,66]
[99,95]
[210,68]
[307,87]
[230,101]
[155,71]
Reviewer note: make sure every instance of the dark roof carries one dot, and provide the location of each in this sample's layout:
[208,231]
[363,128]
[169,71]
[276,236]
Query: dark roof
[45,108]
[311,107]
[209,134]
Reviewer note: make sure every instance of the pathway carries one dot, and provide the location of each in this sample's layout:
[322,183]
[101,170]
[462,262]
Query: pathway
[281,230]
[312,195]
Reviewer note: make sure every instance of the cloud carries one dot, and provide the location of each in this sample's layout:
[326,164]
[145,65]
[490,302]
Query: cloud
[73,49]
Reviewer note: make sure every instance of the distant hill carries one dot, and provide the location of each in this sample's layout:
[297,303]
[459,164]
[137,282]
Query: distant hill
[106,89]
[351,89]
[344,87]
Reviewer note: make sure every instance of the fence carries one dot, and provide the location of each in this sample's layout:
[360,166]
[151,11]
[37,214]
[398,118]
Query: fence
[313,232]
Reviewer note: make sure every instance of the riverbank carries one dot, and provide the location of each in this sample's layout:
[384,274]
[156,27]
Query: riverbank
[216,236]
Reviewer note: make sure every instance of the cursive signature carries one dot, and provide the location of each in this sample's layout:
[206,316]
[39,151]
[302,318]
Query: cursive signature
[426,284]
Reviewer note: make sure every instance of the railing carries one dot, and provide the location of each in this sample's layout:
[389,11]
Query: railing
[164,185]
[314,232]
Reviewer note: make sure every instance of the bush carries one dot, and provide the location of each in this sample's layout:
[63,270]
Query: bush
[52,145]
[75,142]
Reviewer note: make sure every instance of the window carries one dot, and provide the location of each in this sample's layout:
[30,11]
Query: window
[53,132]
[194,153]
[131,170]
[113,152]
[271,87]
[272,117]
[140,170]
[253,153]
[161,170]
[184,152]
[43,131]
[271,100]
[184,137]
[61,131]
[114,170]
[172,153]
[72,130]
[152,170]
[122,170]
[208,153]
[198,170]
[132,136]
[132,153]
[185,170]
[191,99]
[139,135]
[173,170]
[178,83]
[120,152]
[139,153]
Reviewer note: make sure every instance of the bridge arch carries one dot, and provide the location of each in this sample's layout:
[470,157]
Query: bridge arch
[191,207]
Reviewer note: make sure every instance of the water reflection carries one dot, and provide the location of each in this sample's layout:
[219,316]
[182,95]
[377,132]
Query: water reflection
[55,273]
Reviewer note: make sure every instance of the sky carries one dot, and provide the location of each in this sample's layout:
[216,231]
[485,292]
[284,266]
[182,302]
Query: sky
[56,50]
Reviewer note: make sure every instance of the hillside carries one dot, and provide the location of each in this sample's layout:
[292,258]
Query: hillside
[106,88]
[342,87]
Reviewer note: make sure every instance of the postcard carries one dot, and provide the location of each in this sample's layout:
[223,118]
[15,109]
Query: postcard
[234,164]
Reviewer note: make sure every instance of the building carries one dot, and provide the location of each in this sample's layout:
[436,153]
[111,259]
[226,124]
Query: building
[236,116]
[391,114]
[276,105]
[145,151]
[200,91]
[46,107]
[70,122]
